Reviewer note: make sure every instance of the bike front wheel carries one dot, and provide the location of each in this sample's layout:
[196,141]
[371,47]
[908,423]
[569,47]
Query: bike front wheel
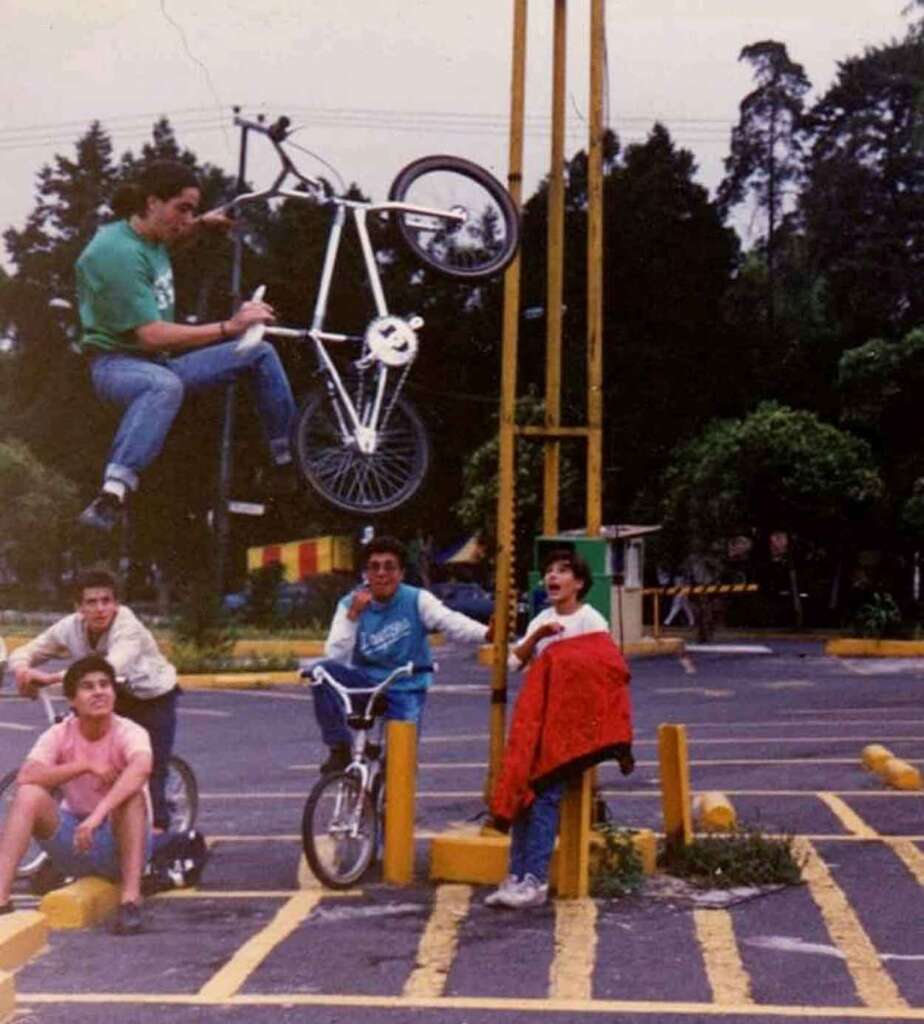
[467,227]
[355,481]
[34,856]
[182,792]
[340,828]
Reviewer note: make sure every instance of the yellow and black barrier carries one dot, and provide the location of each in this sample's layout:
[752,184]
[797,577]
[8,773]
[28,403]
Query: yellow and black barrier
[656,593]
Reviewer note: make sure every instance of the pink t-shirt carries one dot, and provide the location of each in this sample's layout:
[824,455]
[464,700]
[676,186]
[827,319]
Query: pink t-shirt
[64,743]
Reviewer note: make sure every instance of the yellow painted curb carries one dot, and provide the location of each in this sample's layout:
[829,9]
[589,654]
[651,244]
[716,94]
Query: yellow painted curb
[279,648]
[82,904]
[7,996]
[647,647]
[651,647]
[22,935]
[901,775]
[482,859]
[874,756]
[238,680]
[855,647]
[713,812]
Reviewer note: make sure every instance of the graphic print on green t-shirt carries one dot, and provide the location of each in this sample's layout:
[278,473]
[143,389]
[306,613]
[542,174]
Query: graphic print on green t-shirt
[123,282]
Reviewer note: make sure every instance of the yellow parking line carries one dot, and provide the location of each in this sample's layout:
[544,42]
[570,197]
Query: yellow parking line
[849,818]
[729,981]
[519,1005]
[910,856]
[226,982]
[572,968]
[873,983]
[439,941]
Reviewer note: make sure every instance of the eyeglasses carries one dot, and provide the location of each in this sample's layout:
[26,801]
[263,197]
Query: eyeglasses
[389,566]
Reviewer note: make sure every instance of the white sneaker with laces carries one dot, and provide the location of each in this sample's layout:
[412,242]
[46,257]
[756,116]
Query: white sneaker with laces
[496,898]
[529,893]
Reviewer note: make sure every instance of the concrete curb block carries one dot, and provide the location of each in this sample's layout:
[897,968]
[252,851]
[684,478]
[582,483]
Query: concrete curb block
[714,812]
[82,904]
[855,647]
[22,935]
[481,859]
[900,774]
[7,997]
[874,757]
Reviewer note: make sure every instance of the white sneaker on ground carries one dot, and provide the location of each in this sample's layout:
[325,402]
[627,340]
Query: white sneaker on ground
[528,893]
[496,898]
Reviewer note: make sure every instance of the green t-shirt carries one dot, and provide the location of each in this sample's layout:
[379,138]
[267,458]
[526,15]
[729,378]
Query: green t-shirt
[123,282]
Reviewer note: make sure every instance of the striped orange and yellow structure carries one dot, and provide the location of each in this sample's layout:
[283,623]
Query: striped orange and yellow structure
[301,558]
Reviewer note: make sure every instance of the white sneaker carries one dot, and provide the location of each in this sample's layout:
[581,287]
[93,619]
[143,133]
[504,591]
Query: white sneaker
[496,898]
[528,893]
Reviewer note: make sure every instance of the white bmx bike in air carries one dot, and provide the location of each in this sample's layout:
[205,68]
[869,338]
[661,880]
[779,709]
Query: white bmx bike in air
[358,442]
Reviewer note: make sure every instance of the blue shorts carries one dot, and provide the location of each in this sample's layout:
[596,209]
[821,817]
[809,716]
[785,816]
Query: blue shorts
[101,859]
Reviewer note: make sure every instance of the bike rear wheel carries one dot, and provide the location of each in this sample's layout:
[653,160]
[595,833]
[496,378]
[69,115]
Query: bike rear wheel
[340,829]
[354,481]
[35,856]
[480,245]
[182,792]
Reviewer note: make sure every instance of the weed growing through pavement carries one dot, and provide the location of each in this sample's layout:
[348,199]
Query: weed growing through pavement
[619,870]
[747,856]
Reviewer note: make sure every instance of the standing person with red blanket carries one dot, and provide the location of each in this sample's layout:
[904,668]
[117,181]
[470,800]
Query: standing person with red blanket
[573,711]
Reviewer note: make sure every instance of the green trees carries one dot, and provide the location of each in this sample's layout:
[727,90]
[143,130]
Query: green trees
[777,469]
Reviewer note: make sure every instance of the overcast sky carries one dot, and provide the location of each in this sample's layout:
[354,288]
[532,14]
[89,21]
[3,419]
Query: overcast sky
[378,82]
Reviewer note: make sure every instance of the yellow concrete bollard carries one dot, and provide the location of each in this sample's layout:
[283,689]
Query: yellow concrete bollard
[713,812]
[874,756]
[675,784]
[7,996]
[901,775]
[400,801]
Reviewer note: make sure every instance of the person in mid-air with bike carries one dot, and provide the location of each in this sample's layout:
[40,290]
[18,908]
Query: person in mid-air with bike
[100,763]
[148,691]
[143,362]
[378,627]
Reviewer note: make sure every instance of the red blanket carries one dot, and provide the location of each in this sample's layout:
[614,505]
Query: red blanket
[573,709]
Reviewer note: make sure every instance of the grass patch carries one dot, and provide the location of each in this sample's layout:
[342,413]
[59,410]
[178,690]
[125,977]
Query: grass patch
[746,856]
[192,660]
[620,870]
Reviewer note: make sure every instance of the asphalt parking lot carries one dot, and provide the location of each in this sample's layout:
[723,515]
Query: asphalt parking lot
[779,732]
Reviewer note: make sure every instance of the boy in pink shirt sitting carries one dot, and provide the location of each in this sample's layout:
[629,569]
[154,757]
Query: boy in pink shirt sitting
[101,763]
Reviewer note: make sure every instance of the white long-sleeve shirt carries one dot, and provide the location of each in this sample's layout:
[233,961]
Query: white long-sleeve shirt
[127,645]
[341,640]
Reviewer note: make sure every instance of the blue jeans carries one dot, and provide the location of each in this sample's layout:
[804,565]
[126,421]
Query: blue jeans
[158,716]
[400,705]
[151,390]
[532,837]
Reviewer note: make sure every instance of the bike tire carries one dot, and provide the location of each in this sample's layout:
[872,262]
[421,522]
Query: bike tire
[182,794]
[353,481]
[339,861]
[456,250]
[35,856]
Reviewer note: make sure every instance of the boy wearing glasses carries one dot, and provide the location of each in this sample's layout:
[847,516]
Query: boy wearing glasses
[378,627]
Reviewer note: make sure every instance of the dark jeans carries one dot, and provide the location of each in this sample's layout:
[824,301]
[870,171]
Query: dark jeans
[158,716]
[533,835]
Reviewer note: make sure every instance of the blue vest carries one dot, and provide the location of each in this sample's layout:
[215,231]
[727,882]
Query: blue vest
[392,634]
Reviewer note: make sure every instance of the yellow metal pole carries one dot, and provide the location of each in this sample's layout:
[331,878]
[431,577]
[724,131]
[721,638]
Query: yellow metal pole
[595,272]
[675,784]
[401,790]
[507,440]
[555,273]
[574,839]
